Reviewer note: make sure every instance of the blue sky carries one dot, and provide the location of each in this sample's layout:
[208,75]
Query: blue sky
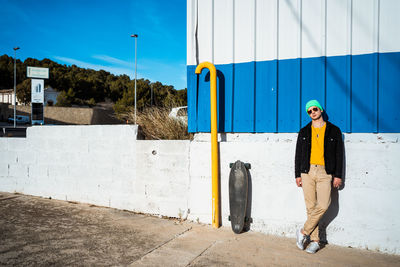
[96,34]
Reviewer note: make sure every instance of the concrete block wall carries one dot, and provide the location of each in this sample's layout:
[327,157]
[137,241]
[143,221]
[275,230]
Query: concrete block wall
[70,162]
[100,164]
[163,177]
[106,165]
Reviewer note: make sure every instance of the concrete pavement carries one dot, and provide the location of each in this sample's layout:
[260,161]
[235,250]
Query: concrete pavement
[41,232]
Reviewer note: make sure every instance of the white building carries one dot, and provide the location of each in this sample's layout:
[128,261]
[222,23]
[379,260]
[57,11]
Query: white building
[50,96]
[7,96]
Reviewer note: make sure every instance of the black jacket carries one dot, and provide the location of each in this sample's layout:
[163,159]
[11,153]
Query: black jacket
[333,150]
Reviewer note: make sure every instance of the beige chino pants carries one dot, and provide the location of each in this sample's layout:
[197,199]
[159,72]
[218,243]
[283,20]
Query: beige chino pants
[317,196]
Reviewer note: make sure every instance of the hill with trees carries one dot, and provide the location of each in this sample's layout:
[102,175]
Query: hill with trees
[86,87]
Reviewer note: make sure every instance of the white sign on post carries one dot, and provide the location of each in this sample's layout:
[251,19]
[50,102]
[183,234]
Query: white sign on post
[36,72]
[37,89]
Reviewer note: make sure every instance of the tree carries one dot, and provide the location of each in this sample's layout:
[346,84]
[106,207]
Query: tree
[62,100]
[65,99]
[24,91]
[79,86]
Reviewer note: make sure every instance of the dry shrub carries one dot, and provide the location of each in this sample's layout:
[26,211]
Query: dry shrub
[155,124]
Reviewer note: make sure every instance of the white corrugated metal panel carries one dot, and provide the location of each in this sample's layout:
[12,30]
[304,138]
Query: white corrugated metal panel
[191,32]
[289,29]
[266,29]
[364,23]
[389,26]
[244,34]
[235,31]
[313,28]
[338,28]
[223,31]
[205,30]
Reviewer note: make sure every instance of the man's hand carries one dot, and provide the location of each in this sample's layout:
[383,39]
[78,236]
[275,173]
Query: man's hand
[337,182]
[298,181]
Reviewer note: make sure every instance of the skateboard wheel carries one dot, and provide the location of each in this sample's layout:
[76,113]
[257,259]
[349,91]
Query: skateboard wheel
[247,219]
[247,165]
[230,165]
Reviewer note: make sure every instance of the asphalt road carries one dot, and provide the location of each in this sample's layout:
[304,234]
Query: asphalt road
[41,232]
[2,123]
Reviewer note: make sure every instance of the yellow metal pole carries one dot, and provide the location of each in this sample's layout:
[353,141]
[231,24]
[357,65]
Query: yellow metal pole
[214,141]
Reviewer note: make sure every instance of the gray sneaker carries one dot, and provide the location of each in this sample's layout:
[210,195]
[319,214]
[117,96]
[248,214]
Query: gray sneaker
[313,247]
[300,239]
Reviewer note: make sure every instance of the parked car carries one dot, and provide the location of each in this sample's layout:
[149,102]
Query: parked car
[179,113]
[19,119]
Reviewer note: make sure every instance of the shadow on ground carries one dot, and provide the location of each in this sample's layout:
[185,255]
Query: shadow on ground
[40,232]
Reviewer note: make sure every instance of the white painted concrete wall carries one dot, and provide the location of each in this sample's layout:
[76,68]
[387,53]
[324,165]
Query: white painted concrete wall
[162,176]
[99,164]
[368,213]
[70,162]
[106,165]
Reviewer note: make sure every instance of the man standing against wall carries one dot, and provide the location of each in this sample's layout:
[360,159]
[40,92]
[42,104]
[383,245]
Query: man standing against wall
[318,160]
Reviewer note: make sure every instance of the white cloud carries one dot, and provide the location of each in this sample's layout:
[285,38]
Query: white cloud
[153,70]
[113,69]
[113,60]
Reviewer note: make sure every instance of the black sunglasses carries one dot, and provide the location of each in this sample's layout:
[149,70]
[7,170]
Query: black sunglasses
[311,110]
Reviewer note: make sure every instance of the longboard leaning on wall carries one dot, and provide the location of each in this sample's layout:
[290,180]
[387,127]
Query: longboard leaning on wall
[238,195]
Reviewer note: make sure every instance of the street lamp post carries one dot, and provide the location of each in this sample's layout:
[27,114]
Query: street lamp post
[135,36]
[15,85]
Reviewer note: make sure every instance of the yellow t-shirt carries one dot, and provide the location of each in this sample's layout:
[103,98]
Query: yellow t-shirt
[317,145]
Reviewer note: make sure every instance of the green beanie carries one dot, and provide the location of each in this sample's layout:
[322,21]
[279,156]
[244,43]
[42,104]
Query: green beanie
[313,103]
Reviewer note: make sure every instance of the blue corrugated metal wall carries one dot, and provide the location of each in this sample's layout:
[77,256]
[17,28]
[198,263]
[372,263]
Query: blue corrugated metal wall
[360,93]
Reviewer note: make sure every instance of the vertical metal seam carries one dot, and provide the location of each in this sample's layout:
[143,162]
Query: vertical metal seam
[255,68]
[349,116]
[212,54]
[299,8]
[325,51]
[196,33]
[196,93]
[377,65]
[233,66]
[277,68]
[300,32]
[351,66]
[233,31]
[212,31]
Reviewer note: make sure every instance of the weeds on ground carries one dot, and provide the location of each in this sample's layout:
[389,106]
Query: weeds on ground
[155,124]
